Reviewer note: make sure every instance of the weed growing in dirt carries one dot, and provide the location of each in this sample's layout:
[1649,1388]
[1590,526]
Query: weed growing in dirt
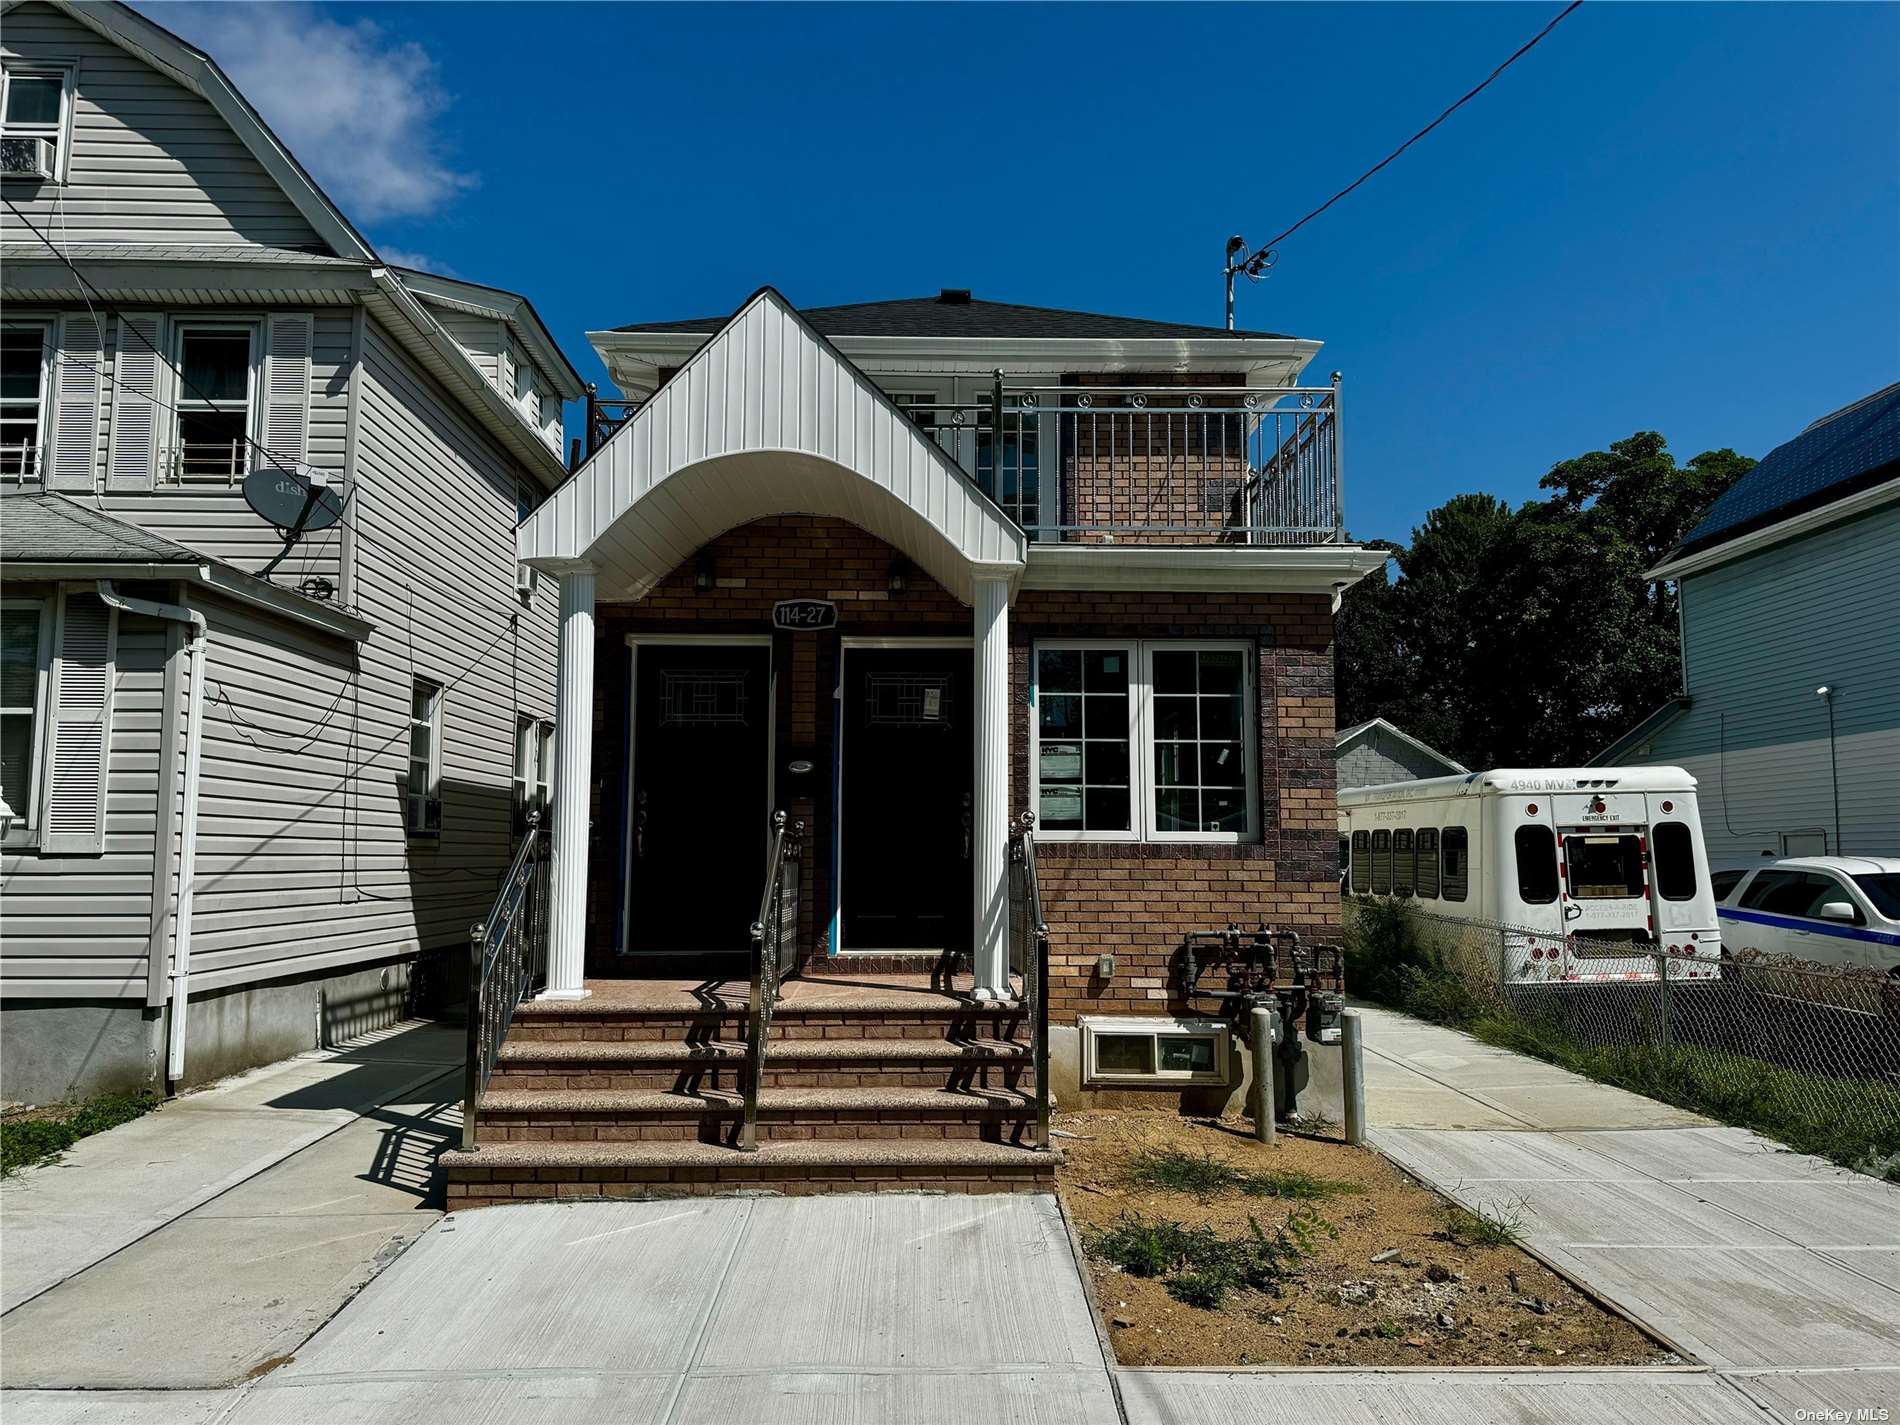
[1202,1267]
[1487,1227]
[26,1141]
[1207,1176]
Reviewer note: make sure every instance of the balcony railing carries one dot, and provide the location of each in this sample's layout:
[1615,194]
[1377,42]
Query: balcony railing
[1152,464]
[1081,462]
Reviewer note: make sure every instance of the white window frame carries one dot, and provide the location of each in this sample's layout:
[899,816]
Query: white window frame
[1155,1028]
[26,817]
[43,412]
[1141,742]
[60,133]
[534,762]
[183,402]
[416,799]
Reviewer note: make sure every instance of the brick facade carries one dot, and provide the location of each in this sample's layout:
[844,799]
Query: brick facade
[1132,900]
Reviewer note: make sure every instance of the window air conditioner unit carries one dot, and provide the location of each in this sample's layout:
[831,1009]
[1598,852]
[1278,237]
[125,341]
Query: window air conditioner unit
[26,158]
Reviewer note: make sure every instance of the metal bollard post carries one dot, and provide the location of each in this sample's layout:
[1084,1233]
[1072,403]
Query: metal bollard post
[1263,1037]
[1353,1075]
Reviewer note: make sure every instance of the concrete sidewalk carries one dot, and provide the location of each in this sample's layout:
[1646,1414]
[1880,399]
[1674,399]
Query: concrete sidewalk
[1779,1270]
[200,1158]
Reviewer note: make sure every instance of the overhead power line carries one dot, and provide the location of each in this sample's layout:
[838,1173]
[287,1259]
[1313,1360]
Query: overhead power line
[1261,257]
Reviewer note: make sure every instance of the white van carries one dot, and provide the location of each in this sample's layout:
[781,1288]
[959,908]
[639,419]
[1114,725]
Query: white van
[1587,860]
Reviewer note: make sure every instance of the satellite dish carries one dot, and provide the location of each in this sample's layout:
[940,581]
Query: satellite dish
[297,501]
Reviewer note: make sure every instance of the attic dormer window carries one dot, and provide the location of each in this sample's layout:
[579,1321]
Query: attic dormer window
[36,103]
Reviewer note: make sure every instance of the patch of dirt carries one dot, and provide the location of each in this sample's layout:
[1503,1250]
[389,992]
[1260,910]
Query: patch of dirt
[1434,1301]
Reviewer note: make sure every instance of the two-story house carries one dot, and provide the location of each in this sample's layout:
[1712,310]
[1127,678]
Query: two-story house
[248,782]
[904,574]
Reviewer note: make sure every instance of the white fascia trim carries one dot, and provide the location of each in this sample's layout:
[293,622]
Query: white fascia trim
[505,419]
[214,282]
[1315,568]
[633,359]
[510,307]
[1807,522]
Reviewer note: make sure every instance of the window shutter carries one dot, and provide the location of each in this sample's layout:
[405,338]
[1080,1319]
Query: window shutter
[287,389]
[76,387]
[133,462]
[79,738]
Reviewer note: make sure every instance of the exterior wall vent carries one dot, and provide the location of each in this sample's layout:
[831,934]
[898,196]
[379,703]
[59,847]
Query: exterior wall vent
[954,296]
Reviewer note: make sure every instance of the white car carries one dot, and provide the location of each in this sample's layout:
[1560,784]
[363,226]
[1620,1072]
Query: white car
[1842,910]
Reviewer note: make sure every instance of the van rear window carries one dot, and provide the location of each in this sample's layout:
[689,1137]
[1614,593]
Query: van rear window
[1536,865]
[1673,851]
[1598,868]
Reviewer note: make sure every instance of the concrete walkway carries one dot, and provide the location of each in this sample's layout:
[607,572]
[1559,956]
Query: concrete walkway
[1780,1271]
[196,1244]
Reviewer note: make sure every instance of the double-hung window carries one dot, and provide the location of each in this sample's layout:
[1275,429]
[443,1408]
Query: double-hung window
[24,349]
[424,802]
[36,104]
[1144,741]
[23,668]
[216,389]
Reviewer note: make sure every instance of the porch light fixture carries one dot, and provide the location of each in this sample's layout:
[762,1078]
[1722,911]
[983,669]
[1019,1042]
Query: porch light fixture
[704,576]
[898,579]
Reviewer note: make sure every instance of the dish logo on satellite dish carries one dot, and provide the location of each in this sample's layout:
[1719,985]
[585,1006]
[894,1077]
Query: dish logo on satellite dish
[300,499]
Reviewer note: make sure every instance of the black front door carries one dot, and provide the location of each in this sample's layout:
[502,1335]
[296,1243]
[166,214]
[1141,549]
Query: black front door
[702,727]
[904,832]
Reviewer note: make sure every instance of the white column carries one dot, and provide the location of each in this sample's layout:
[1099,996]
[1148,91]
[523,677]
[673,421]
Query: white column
[573,776]
[989,831]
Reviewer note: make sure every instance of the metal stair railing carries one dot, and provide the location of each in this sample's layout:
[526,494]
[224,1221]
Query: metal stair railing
[1029,959]
[507,960]
[774,955]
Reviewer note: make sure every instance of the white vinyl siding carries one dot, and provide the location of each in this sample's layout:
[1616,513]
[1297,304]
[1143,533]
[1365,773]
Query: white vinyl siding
[149,160]
[1760,635]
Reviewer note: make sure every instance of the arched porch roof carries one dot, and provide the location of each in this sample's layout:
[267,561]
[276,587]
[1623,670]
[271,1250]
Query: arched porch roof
[767,419]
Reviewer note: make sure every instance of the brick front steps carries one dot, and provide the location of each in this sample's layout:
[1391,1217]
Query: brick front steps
[639,1091]
[523,1172]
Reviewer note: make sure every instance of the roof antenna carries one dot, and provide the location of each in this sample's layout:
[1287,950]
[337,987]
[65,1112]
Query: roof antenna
[1252,266]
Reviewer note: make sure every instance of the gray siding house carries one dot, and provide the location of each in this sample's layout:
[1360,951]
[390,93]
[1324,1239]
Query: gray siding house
[1375,752]
[247,787]
[1789,715]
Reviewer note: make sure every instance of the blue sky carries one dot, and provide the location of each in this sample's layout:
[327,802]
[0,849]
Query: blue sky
[1684,218]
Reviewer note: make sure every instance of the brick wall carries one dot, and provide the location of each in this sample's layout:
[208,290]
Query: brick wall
[1166,466]
[1135,901]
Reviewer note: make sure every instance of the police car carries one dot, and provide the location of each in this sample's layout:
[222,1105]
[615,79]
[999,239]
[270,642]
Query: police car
[1842,910]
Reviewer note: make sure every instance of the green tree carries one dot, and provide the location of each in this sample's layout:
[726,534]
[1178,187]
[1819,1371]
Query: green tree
[1531,637]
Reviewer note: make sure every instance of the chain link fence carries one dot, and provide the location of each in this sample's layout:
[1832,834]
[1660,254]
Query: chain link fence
[1806,1053]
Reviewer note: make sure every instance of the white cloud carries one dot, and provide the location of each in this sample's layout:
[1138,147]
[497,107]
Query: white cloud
[403,257]
[359,109]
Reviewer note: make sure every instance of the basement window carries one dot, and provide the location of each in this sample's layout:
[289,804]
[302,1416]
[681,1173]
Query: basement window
[1163,1050]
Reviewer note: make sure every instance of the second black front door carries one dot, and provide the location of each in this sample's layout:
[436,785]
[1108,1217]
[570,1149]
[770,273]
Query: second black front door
[702,727]
[906,770]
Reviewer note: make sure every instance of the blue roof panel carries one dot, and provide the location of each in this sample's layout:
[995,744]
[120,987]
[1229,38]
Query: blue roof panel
[1837,455]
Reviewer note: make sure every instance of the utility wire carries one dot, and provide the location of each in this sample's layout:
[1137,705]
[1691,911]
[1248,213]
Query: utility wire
[1524,49]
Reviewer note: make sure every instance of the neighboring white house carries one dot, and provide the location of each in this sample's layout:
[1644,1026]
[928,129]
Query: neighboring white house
[259,787]
[1789,714]
[1375,752]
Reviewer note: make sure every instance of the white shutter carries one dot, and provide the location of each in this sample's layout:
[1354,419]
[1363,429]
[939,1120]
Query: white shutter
[80,733]
[136,370]
[76,387]
[287,389]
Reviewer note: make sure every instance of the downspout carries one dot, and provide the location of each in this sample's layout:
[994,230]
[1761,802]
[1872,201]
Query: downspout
[188,846]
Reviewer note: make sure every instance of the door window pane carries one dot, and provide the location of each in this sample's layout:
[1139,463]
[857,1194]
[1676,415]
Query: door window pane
[1603,867]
